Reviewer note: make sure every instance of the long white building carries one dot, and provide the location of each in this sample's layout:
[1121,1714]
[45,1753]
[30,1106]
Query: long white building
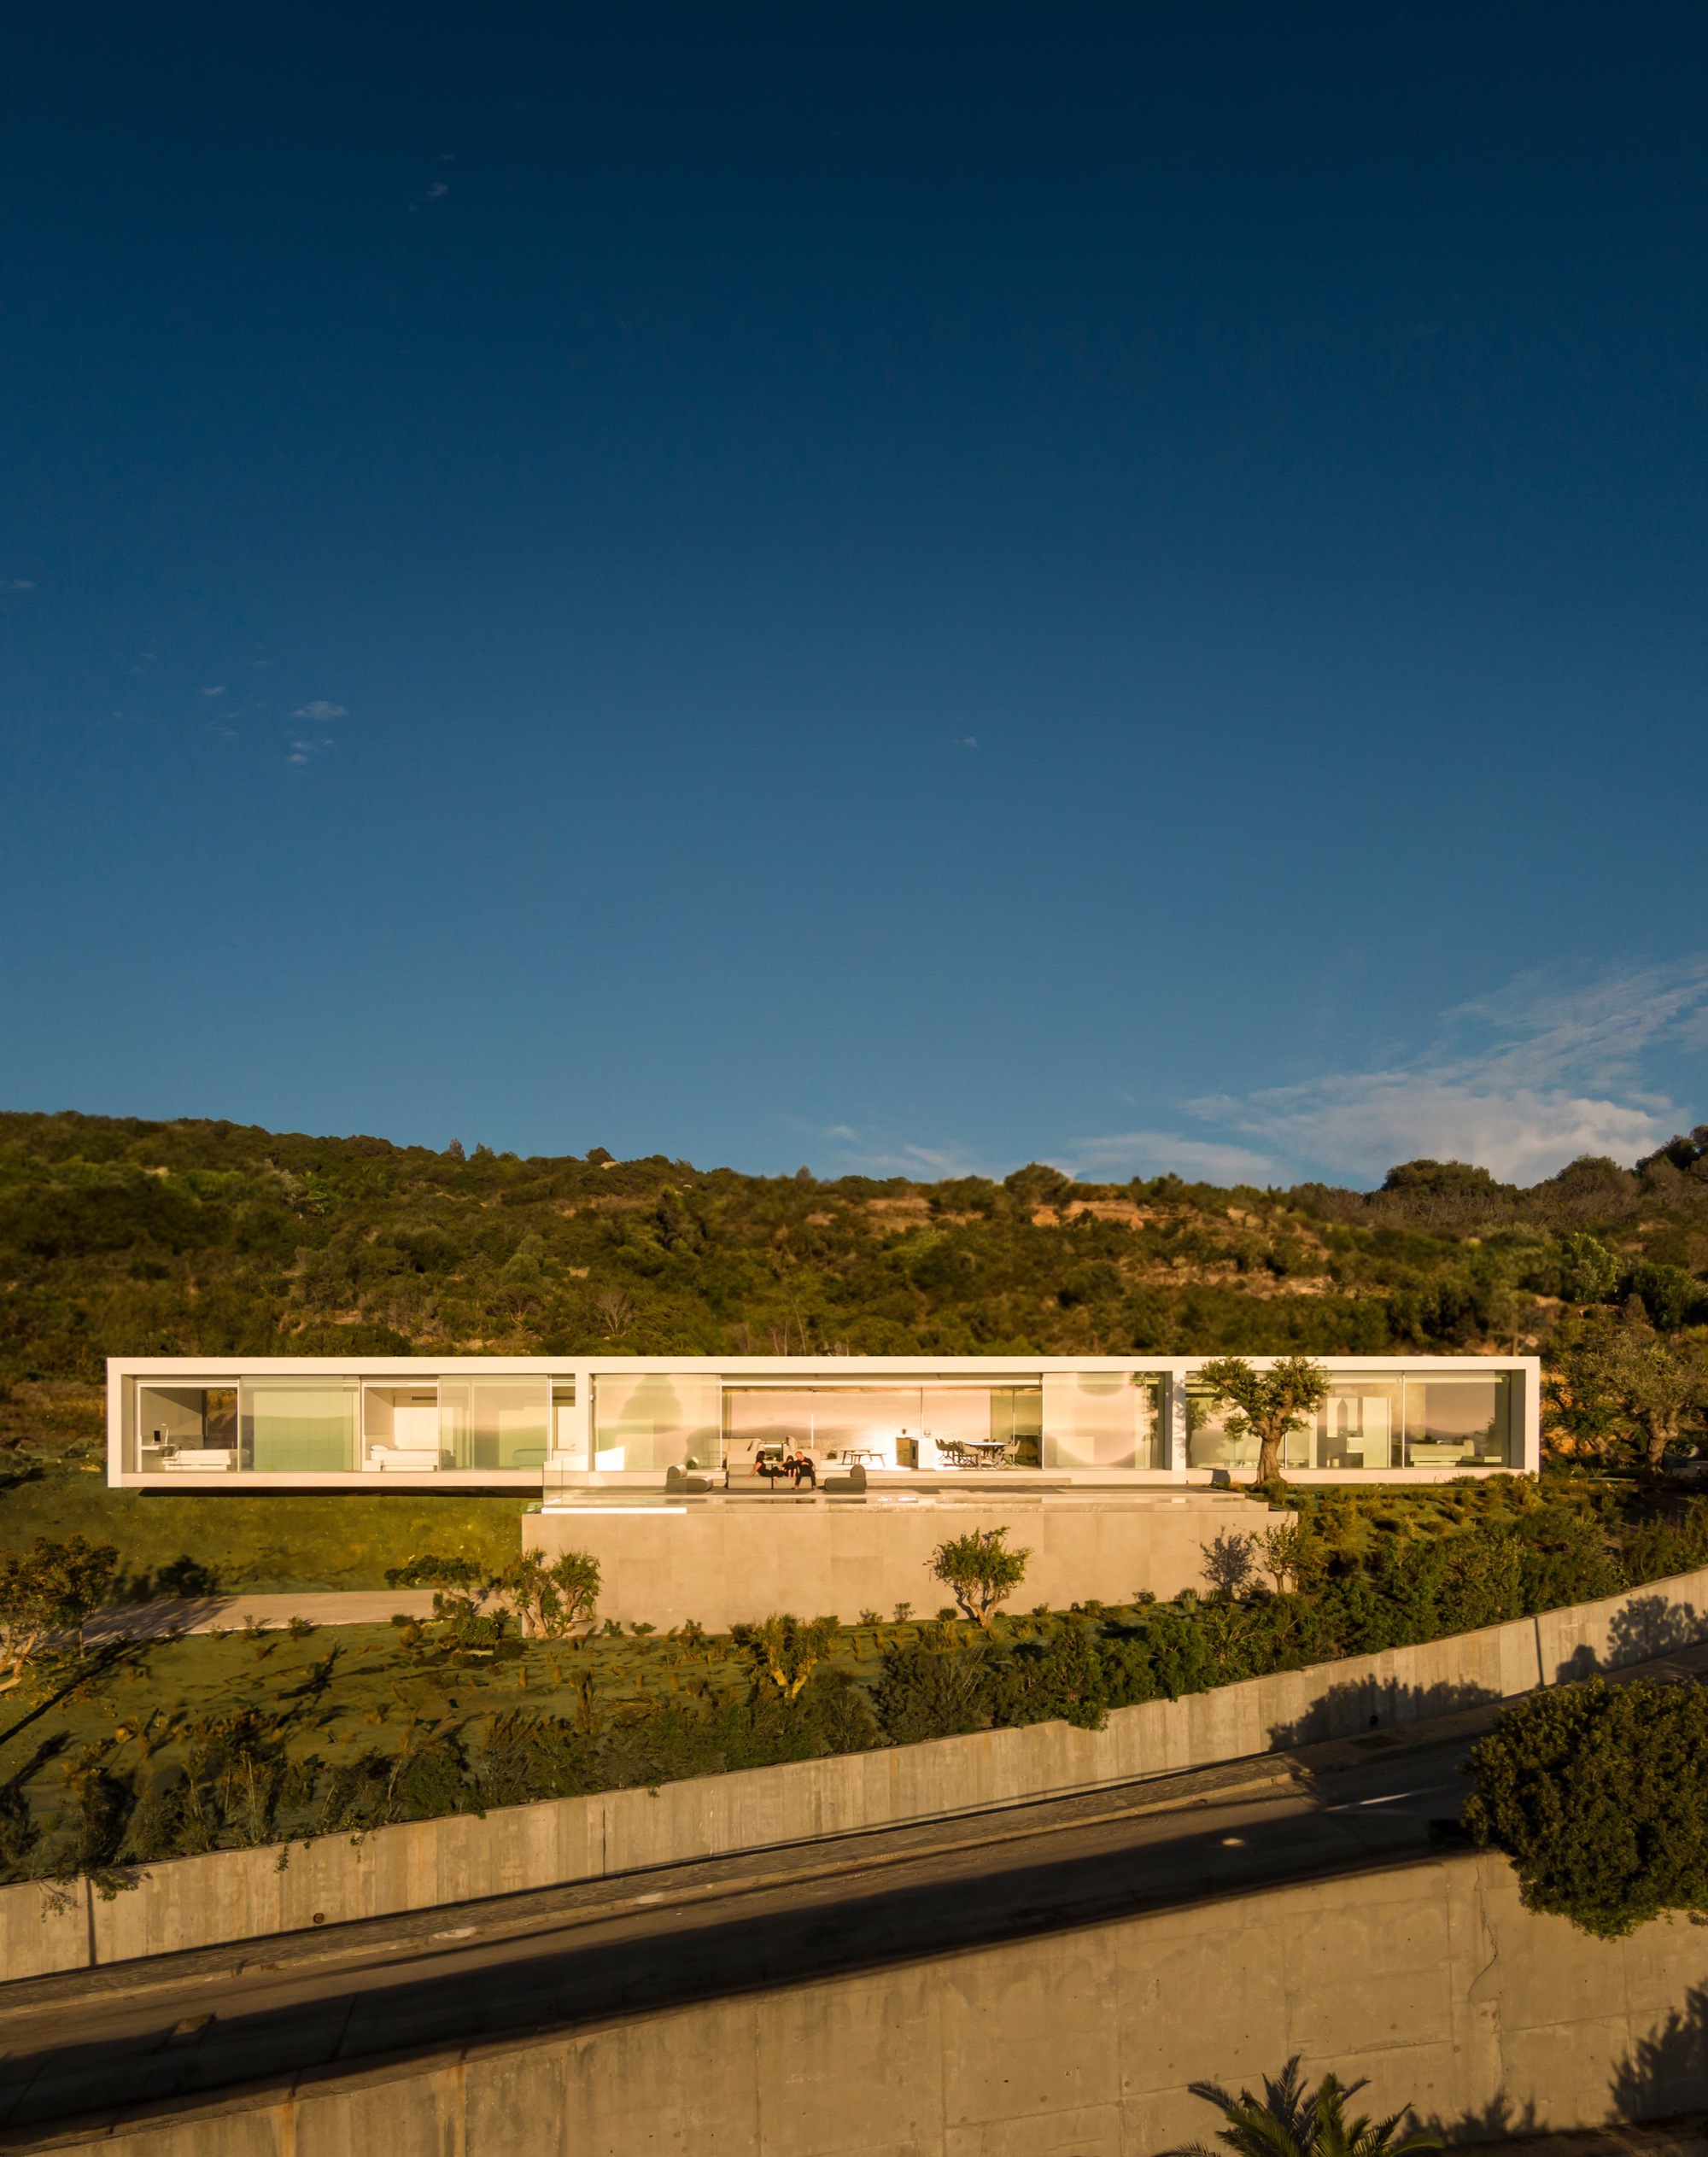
[623,1425]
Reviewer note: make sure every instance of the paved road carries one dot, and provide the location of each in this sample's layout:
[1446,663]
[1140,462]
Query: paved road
[192,2024]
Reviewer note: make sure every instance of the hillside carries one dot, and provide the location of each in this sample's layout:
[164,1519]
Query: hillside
[123,1237]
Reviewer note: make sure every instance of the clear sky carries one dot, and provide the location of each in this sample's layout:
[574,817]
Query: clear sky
[893,587]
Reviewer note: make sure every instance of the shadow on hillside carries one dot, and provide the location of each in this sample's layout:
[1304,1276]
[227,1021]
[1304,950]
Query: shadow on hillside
[1363,1704]
[1668,2073]
[185,1576]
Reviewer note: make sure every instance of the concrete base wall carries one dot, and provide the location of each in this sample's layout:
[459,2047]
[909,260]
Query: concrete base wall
[1431,1979]
[734,1562]
[235,1895]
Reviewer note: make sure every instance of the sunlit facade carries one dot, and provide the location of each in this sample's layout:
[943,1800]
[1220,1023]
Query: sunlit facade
[627,1423]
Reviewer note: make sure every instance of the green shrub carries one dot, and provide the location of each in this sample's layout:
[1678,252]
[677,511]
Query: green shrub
[1598,1794]
[936,1687]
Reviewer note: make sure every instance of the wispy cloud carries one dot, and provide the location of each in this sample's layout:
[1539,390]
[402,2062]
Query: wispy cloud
[320,712]
[1520,1082]
[876,1152]
[1120,1153]
[17,584]
[218,690]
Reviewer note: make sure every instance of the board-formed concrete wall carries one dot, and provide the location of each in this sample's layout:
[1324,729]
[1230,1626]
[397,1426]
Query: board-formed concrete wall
[1430,1978]
[726,1563]
[234,1895]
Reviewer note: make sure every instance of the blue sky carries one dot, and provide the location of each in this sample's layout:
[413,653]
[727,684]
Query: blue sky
[902,588]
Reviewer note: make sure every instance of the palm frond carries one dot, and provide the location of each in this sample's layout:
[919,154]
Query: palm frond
[1290,2120]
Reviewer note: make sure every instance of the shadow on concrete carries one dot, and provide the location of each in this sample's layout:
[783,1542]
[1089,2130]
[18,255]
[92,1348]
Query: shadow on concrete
[83,2055]
[1668,2073]
[1649,1626]
[157,1621]
[1352,1709]
[1499,2120]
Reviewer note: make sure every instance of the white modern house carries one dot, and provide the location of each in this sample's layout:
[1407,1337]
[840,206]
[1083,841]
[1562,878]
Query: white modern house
[617,1426]
[1116,1475]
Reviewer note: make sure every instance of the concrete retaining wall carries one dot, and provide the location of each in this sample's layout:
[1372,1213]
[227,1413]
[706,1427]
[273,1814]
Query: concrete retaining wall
[233,1895]
[729,1562]
[1431,1979]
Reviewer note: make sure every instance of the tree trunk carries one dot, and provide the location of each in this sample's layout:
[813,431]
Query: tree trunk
[1662,1431]
[1269,1458]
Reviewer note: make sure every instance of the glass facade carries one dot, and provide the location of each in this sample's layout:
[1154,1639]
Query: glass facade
[1080,1423]
[401,1427]
[946,1423]
[1103,1419]
[298,1426]
[659,1420]
[494,1422]
[187,1428]
[1377,1420]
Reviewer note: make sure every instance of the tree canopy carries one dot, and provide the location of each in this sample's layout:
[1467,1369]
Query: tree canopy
[1598,1794]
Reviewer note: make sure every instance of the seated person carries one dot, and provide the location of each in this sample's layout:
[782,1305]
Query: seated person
[799,1465]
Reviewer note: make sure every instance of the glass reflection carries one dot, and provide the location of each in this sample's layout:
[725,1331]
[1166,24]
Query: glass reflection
[1374,1421]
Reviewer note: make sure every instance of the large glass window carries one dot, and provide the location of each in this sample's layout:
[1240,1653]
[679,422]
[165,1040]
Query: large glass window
[949,1424]
[1358,1426]
[1459,1422]
[187,1428]
[1017,1424]
[493,1422]
[1374,1421]
[1102,1419]
[299,1426]
[656,1421]
[878,1426]
[401,1429]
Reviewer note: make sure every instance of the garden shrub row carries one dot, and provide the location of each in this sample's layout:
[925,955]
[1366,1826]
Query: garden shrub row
[1355,1587]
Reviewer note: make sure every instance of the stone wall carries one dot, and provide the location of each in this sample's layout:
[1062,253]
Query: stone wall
[232,1894]
[1429,1979]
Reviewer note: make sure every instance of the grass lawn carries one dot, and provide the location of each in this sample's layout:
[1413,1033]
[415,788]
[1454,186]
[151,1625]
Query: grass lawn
[136,1713]
[53,1482]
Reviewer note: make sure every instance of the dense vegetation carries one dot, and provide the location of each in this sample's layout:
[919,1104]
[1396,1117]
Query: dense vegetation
[1597,1794]
[123,1237]
[130,1753]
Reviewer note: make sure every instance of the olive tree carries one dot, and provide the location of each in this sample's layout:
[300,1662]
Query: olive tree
[978,1572]
[47,1590]
[1267,1404]
[1617,1384]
